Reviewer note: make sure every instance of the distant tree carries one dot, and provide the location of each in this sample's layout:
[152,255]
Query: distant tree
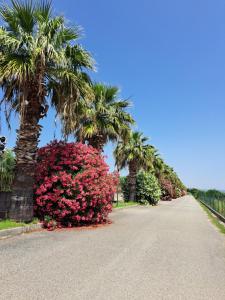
[171,185]
[135,154]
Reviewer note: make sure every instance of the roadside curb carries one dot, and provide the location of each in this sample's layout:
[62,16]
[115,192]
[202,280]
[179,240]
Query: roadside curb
[7,233]
[125,207]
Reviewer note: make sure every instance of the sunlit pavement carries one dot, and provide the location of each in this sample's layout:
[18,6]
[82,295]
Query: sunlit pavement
[171,251]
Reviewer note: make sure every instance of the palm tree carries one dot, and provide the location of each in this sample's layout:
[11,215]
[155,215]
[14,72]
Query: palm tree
[158,166]
[135,154]
[40,64]
[105,118]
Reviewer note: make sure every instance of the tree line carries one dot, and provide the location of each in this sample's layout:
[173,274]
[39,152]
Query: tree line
[42,65]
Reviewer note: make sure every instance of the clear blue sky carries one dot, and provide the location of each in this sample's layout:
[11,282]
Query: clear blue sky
[169,57]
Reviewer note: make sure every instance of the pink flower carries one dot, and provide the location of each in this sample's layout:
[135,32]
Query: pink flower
[73,184]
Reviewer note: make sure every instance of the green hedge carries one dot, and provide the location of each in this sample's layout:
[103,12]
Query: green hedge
[7,164]
[148,188]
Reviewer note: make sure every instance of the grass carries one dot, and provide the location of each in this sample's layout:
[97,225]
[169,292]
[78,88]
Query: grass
[7,224]
[215,221]
[124,204]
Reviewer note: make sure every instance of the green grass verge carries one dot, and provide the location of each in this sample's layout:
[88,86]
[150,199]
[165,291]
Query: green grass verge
[124,204]
[213,219]
[7,224]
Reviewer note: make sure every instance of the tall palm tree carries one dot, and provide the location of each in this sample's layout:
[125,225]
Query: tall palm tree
[135,154]
[105,118]
[158,166]
[40,64]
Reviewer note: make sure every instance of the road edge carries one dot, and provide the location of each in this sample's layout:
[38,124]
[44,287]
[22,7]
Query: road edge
[214,220]
[7,233]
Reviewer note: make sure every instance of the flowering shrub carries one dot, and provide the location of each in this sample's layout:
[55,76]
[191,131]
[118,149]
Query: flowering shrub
[170,190]
[167,188]
[73,185]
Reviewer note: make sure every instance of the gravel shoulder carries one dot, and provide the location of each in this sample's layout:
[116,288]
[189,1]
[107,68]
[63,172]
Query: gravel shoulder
[171,251]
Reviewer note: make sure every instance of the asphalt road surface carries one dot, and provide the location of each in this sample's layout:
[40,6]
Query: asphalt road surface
[171,251]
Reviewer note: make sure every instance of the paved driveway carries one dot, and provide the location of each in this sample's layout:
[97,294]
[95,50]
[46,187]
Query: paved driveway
[170,251]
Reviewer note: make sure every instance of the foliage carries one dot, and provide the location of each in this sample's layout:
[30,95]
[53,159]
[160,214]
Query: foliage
[198,194]
[124,204]
[41,65]
[214,219]
[178,192]
[134,153]
[73,185]
[124,187]
[6,224]
[167,189]
[215,194]
[39,50]
[133,150]
[105,118]
[7,164]
[139,156]
[213,198]
[148,188]
[171,185]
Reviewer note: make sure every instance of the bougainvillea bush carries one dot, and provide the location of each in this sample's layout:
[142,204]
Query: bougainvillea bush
[168,192]
[73,185]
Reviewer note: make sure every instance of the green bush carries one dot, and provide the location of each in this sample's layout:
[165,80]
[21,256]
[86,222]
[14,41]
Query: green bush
[124,187]
[167,189]
[7,164]
[178,192]
[148,188]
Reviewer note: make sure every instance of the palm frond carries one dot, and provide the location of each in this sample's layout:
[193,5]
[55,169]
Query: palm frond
[133,149]
[17,66]
[43,11]
[8,41]
[23,12]
[79,57]
[38,51]
[107,120]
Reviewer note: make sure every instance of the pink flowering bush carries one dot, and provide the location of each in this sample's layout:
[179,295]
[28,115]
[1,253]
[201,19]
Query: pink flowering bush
[73,185]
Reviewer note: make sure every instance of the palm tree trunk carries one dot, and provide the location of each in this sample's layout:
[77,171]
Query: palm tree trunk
[132,180]
[98,142]
[26,151]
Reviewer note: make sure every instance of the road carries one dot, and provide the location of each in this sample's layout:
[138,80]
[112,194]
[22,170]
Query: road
[171,251]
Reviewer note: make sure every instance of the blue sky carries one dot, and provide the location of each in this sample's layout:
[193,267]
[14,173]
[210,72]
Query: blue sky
[169,58]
